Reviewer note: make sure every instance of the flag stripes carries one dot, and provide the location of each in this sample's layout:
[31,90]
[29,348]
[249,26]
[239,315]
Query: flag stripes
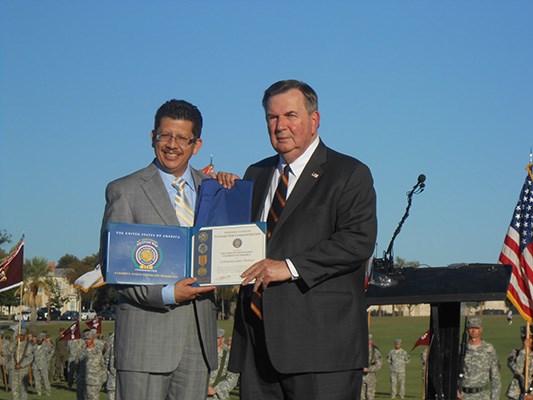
[517,251]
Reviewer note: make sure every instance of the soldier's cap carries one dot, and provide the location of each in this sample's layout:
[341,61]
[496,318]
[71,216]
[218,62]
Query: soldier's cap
[220,333]
[397,341]
[88,334]
[523,331]
[473,322]
[41,336]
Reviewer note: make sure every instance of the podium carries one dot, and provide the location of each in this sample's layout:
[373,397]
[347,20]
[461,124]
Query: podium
[444,288]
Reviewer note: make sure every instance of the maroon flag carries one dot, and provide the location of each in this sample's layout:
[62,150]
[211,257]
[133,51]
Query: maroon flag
[517,251]
[95,324]
[11,268]
[72,332]
[423,340]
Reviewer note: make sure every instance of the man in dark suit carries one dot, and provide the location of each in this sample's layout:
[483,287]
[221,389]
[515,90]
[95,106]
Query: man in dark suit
[309,340]
[165,336]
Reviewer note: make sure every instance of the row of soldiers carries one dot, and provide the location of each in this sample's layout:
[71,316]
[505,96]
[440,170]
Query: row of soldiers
[90,362]
[480,373]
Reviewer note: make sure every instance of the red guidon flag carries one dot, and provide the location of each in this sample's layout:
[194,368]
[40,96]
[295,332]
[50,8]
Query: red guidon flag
[72,332]
[210,168]
[95,324]
[11,274]
[518,251]
[423,340]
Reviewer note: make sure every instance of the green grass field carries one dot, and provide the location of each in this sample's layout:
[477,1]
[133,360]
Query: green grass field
[384,329]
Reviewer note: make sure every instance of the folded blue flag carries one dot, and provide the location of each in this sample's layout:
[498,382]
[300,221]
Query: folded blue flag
[217,206]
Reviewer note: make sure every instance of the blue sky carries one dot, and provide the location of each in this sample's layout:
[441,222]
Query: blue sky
[408,87]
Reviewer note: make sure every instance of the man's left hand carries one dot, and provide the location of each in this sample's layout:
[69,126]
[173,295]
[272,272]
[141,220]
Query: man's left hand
[266,271]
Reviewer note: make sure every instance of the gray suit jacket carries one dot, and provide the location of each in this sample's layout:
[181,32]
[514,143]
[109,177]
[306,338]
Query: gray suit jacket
[149,336]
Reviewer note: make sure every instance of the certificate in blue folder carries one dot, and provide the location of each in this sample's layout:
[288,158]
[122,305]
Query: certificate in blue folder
[216,250]
[152,254]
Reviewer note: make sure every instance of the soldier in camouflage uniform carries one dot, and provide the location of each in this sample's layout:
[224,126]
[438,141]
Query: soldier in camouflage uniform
[368,390]
[19,356]
[42,354]
[91,372]
[397,358]
[61,356]
[5,342]
[517,362]
[109,361]
[75,347]
[222,381]
[481,375]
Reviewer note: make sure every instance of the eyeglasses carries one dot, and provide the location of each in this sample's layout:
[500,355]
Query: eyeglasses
[167,137]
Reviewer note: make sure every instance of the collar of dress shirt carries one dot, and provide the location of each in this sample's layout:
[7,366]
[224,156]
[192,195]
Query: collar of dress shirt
[190,188]
[299,164]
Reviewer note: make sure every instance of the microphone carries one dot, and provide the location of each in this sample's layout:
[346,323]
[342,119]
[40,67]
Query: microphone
[420,185]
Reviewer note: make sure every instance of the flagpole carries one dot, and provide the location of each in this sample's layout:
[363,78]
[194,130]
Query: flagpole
[528,351]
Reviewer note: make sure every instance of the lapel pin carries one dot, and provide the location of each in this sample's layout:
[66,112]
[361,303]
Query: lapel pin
[314,175]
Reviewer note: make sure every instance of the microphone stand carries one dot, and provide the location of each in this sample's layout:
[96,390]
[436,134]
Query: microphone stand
[383,267]
[388,255]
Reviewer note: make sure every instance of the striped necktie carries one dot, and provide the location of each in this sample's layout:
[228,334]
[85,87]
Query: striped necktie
[183,209]
[278,203]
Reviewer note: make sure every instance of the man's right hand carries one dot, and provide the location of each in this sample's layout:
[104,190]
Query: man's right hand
[226,179]
[183,291]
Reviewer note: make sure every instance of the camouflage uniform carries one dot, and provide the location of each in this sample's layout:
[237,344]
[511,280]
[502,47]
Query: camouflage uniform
[75,347]
[42,354]
[397,359]
[5,343]
[222,380]
[516,362]
[18,360]
[481,379]
[61,356]
[109,361]
[91,372]
[369,378]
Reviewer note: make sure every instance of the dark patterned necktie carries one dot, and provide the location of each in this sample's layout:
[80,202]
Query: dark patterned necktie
[278,203]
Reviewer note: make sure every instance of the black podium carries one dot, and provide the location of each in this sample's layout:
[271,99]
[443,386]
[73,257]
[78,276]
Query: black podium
[444,288]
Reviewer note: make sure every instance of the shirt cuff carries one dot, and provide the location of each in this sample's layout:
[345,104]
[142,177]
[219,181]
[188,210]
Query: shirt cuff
[168,295]
[292,269]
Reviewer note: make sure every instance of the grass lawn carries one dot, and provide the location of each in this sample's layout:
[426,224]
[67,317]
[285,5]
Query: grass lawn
[384,329]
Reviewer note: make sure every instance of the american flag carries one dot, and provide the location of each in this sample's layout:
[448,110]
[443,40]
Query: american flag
[518,251]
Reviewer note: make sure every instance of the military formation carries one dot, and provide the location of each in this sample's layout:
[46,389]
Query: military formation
[480,370]
[35,361]
[88,364]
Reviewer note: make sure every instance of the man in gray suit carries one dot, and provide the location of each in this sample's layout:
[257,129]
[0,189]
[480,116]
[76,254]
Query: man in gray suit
[165,336]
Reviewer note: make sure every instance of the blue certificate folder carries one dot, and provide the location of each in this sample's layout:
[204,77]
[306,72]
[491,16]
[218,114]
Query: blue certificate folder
[147,254]
[219,206]
[151,254]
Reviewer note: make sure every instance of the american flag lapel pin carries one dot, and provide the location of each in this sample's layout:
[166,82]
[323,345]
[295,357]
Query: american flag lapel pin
[314,175]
